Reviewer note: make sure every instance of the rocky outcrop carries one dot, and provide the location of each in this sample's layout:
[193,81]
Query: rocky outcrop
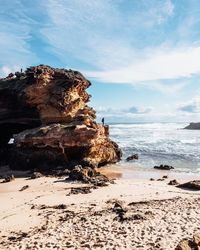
[8,178]
[132,157]
[173,182]
[192,185]
[163,167]
[189,244]
[89,175]
[45,110]
[193,125]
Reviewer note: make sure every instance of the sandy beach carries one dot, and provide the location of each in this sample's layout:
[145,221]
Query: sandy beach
[46,216]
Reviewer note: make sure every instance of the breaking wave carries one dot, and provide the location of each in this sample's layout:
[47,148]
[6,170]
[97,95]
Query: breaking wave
[159,143]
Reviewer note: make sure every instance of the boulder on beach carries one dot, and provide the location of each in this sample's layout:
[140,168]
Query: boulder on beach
[132,157]
[193,125]
[9,178]
[164,167]
[45,110]
[88,175]
[173,182]
[193,185]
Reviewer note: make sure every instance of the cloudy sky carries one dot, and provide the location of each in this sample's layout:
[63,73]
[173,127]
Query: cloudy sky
[143,57]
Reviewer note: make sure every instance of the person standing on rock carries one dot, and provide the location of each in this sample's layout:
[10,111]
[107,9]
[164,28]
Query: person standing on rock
[102,120]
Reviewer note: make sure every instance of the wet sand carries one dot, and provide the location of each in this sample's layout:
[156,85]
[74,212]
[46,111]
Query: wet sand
[45,216]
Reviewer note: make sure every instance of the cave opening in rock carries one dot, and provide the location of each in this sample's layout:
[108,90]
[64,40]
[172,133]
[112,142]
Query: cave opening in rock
[75,153]
[7,131]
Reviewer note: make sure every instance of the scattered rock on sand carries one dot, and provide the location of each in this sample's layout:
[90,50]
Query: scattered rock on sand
[81,174]
[152,179]
[18,237]
[129,216]
[117,208]
[36,175]
[120,211]
[60,172]
[193,185]
[80,190]
[9,178]
[60,206]
[165,177]
[189,244]
[11,238]
[196,239]
[173,182]
[24,188]
[88,175]
[132,157]
[163,167]
[124,214]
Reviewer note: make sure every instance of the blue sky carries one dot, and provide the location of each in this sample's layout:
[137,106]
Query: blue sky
[142,56]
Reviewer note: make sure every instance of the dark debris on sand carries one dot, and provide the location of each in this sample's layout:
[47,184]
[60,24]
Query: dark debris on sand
[113,225]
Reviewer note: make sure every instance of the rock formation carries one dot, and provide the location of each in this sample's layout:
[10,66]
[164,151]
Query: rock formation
[193,125]
[191,185]
[189,244]
[132,157]
[45,110]
[173,182]
[163,167]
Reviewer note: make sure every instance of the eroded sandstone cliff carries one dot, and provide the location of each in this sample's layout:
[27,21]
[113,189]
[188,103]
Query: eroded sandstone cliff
[45,110]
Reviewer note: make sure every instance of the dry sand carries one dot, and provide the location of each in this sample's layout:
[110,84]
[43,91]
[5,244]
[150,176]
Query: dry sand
[157,215]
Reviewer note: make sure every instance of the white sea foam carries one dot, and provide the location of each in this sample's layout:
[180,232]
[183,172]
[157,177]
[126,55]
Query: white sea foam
[159,143]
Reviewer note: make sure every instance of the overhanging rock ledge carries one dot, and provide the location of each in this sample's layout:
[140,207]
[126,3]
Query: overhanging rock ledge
[45,110]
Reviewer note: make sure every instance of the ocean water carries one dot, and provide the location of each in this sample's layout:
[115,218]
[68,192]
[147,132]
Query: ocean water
[159,143]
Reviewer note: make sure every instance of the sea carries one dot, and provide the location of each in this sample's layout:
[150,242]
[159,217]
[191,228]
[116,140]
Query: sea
[158,143]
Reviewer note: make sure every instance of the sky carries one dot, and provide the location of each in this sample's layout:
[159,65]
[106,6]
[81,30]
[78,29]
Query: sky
[142,56]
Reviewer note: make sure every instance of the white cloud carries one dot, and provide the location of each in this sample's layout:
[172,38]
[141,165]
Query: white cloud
[169,7]
[100,36]
[15,34]
[133,111]
[81,29]
[147,114]
[164,70]
[5,70]
[159,12]
[192,106]
[112,45]
[134,114]
[99,33]
[138,110]
[160,65]
[163,87]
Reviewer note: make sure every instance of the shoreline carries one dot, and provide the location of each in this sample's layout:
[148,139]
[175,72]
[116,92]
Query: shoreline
[134,172]
[53,219]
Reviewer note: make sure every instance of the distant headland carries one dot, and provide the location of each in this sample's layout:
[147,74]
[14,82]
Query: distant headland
[193,125]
